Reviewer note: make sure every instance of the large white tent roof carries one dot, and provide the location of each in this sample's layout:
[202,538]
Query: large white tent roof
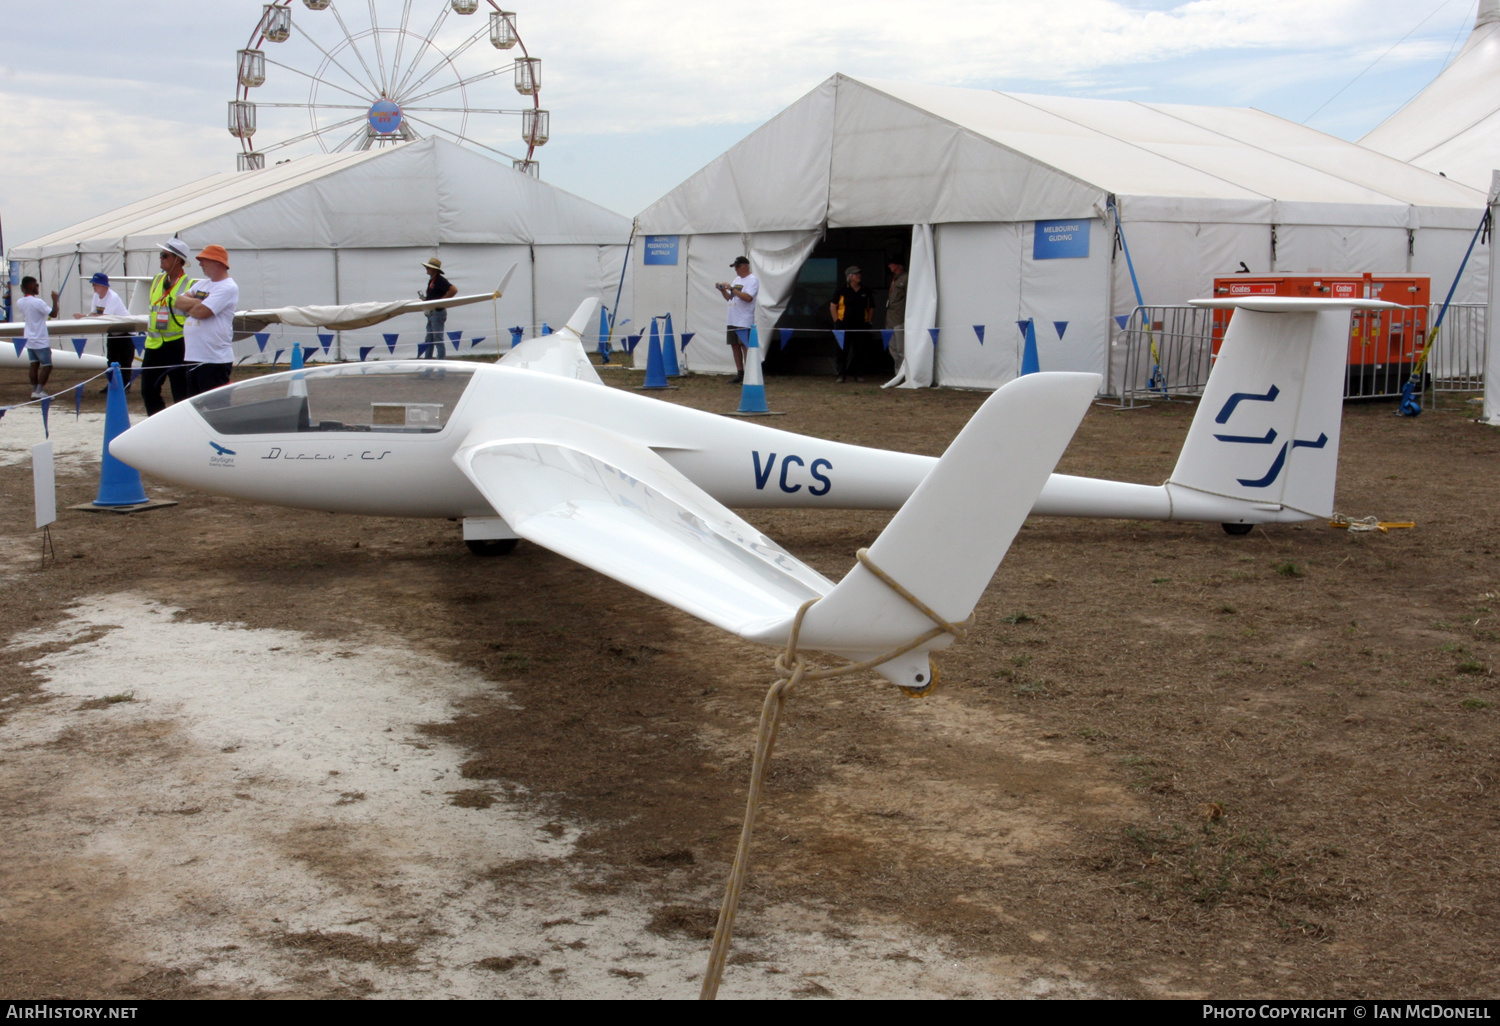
[425,193]
[1453,126]
[861,152]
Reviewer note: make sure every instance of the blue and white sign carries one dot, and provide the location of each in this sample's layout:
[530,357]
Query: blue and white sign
[385,117]
[661,250]
[1056,240]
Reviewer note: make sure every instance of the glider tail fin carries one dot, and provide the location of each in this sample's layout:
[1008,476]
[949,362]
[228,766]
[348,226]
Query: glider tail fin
[946,542]
[1267,428]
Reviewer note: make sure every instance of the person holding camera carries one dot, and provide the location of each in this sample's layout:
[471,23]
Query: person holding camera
[853,311]
[740,294]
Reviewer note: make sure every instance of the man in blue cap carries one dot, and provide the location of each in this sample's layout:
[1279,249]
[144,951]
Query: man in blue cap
[119,347]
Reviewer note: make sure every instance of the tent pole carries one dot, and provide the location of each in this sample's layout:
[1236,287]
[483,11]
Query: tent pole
[621,287]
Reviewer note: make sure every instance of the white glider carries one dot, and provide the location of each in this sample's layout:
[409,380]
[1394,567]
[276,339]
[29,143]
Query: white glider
[342,317]
[537,447]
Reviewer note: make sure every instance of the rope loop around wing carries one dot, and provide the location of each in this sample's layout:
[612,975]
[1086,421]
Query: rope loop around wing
[793,668]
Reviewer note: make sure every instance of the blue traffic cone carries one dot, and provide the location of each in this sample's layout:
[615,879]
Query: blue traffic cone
[669,351]
[753,392]
[656,375]
[1029,362]
[119,483]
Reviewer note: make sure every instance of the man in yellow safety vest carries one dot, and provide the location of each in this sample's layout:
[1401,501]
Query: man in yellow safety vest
[164,357]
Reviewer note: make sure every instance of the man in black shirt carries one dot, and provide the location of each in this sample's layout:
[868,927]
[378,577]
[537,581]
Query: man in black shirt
[853,310]
[438,287]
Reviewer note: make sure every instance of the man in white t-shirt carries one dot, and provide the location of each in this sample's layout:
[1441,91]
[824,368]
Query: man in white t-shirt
[740,295]
[34,311]
[119,347]
[208,332]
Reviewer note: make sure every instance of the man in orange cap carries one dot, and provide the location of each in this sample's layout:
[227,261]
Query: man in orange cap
[208,332]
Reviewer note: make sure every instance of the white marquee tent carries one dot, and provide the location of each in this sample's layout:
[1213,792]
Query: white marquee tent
[979,176]
[1453,126]
[345,228]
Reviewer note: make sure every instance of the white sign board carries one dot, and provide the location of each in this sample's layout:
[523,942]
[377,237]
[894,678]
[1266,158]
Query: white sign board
[44,484]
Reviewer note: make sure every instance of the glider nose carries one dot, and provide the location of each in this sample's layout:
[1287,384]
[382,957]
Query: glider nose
[148,445]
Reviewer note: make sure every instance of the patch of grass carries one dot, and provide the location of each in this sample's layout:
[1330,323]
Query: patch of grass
[1031,689]
[1227,608]
[1288,569]
[1475,703]
[1470,665]
[1161,580]
[1020,660]
[1215,864]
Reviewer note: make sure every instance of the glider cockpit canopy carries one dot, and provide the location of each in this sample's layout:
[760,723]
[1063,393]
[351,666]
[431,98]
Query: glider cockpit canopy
[401,398]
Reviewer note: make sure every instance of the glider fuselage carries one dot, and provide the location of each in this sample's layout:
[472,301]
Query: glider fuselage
[353,463]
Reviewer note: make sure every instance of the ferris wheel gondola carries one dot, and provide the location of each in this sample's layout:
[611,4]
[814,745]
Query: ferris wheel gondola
[378,84]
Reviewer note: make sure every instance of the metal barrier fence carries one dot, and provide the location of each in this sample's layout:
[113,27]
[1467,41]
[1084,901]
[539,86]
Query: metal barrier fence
[1456,363]
[1167,351]
[1163,351]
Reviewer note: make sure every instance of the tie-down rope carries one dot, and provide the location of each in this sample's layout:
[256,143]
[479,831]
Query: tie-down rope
[795,670]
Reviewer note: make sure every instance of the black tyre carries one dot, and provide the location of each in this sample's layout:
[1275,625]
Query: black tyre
[492,547]
[1228,528]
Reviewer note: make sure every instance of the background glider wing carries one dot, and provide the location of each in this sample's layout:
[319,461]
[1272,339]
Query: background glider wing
[351,316]
[79,326]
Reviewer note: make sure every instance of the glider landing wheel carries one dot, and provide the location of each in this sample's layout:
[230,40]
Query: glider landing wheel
[492,547]
[1238,529]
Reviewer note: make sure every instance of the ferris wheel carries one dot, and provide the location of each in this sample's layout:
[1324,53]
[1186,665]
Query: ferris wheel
[338,84]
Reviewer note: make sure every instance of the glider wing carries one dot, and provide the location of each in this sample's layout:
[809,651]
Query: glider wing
[615,506]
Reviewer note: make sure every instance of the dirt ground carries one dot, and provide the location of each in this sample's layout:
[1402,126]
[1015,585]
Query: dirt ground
[1167,762]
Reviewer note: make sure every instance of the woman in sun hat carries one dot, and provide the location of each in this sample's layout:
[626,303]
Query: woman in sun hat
[438,287]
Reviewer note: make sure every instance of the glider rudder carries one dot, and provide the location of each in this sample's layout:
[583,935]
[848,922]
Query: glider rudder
[1267,428]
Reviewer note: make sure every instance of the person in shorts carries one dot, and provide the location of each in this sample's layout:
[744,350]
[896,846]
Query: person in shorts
[208,331]
[740,294]
[34,311]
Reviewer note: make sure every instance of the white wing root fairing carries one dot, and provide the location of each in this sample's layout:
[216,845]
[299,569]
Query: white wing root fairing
[560,353]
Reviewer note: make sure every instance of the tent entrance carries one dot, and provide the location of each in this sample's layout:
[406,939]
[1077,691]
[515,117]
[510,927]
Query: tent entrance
[811,348]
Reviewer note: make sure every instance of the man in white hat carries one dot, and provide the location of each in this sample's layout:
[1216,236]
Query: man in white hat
[164,356]
[438,287]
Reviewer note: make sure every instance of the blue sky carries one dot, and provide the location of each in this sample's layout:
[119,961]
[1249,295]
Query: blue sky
[107,102]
